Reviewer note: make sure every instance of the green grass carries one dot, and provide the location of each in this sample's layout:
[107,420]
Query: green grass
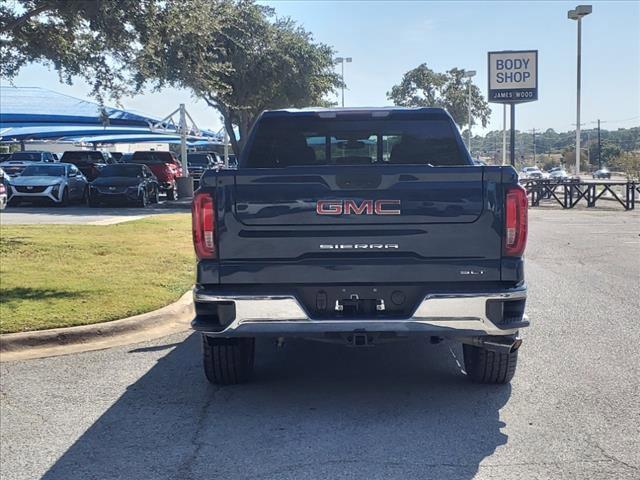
[62,275]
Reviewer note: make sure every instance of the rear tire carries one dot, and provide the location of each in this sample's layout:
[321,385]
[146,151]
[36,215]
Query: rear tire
[172,193]
[143,200]
[227,361]
[156,196]
[486,366]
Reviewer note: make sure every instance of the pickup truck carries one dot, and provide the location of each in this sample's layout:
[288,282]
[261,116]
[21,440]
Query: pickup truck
[359,226]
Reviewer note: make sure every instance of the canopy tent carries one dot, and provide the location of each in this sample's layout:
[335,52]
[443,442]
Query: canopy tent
[40,106]
[32,113]
[142,138]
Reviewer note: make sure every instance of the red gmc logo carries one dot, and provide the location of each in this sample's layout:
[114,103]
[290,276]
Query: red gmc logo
[351,207]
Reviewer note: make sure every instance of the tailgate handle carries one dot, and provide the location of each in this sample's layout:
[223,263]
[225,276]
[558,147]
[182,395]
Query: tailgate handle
[359,180]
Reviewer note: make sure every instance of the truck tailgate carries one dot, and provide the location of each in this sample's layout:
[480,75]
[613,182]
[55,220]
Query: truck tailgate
[439,224]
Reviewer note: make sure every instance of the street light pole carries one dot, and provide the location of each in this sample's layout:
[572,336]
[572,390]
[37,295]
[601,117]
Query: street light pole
[577,14]
[342,60]
[469,75]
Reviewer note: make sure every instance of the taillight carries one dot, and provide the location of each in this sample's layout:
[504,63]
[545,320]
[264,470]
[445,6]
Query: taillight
[203,219]
[515,221]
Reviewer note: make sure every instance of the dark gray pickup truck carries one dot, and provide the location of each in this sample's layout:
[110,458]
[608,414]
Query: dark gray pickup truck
[359,226]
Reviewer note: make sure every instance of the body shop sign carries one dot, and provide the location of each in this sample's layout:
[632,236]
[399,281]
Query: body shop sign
[513,76]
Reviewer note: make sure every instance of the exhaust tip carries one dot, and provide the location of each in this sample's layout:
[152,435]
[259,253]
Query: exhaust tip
[516,345]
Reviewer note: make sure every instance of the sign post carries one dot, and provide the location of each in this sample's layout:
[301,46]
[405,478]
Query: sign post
[513,78]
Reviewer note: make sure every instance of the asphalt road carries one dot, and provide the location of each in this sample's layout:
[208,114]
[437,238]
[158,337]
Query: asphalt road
[320,411]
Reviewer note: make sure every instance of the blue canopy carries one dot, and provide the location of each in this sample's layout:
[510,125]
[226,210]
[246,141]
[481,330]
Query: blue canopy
[38,105]
[32,113]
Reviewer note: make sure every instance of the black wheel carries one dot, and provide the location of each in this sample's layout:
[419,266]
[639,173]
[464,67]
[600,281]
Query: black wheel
[156,196]
[65,198]
[486,366]
[85,196]
[172,193]
[143,199]
[227,361]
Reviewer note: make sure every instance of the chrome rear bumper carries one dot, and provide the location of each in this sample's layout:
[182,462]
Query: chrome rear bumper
[437,314]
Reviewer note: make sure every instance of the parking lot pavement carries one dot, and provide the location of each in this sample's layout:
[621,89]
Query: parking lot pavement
[81,215]
[319,411]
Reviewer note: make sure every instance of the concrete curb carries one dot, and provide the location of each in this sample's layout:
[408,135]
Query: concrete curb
[167,320]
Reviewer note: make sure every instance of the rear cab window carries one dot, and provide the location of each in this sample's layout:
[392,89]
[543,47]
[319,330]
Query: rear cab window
[152,157]
[82,157]
[406,139]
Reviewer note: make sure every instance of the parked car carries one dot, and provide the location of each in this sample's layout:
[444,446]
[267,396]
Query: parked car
[88,161]
[602,173]
[4,156]
[164,165]
[198,162]
[14,167]
[533,173]
[17,161]
[32,156]
[385,250]
[559,175]
[125,183]
[60,183]
[3,189]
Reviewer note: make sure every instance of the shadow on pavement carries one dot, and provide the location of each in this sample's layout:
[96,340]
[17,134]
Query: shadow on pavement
[313,410]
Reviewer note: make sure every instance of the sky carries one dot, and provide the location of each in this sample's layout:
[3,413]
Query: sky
[386,39]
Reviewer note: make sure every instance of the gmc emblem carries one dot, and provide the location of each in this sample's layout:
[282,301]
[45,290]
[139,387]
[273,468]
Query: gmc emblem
[351,207]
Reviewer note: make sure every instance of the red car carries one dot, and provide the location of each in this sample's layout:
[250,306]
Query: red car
[89,162]
[165,166]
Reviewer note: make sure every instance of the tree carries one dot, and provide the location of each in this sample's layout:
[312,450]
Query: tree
[629,163]
[231,53]
[267,64]
[422,87]
[94,40]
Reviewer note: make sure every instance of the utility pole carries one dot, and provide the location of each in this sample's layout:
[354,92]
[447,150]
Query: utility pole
[599,147]
[533,131]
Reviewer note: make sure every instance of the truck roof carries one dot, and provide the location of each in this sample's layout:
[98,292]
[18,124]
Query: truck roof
[329,112]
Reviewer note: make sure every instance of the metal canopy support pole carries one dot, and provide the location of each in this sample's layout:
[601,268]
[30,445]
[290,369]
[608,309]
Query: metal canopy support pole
[183,140]
[512,147]
[226,148]
[504,134]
